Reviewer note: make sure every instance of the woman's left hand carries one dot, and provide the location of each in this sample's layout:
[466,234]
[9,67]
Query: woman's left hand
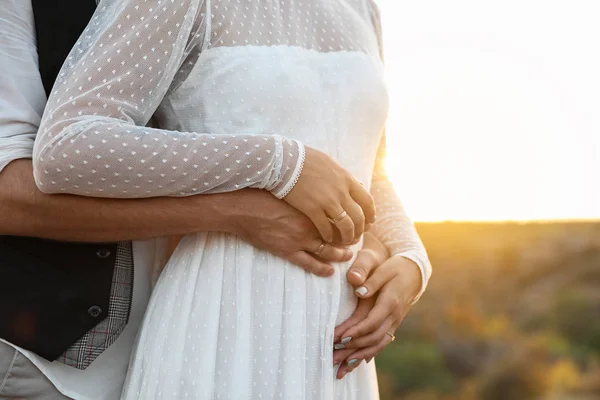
[385,300]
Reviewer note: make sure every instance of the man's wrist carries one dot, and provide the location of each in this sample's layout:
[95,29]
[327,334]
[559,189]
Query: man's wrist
[216,212]
[230,210]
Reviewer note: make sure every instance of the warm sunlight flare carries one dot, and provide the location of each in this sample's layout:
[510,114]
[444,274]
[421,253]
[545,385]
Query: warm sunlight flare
[495,112]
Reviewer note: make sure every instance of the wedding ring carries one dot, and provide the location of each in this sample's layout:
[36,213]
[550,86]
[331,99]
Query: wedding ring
[391,335]
[339,218]
[320,249]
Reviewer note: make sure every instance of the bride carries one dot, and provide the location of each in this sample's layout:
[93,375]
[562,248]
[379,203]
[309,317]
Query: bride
[282,95]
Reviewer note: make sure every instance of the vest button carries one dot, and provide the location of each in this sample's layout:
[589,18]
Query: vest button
[94,311]
[103,253]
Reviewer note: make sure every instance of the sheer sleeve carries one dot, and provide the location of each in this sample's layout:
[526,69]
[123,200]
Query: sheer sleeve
[93,140]
[393,226]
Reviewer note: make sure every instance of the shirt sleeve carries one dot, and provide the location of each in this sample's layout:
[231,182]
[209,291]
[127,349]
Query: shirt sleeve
[93,140]
[393,226]
[22,96]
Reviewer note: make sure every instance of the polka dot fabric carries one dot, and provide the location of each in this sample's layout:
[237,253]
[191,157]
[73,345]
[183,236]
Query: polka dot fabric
[235,89]
[394,228]
[93,140]
[132,57]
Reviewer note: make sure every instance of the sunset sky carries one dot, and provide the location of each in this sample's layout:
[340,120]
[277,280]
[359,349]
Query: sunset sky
[495,108]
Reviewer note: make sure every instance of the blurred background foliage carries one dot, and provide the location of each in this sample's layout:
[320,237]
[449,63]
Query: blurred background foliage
[512,313]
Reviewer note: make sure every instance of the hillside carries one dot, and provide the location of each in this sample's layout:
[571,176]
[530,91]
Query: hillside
[512,312]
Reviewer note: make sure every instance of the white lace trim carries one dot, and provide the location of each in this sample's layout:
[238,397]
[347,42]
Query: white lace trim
[280,194]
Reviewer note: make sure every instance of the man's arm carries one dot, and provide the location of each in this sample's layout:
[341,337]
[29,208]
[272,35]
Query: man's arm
[256,216]
[25,211]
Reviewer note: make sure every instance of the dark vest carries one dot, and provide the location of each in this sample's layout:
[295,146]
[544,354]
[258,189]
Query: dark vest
[58,25]
[51,292]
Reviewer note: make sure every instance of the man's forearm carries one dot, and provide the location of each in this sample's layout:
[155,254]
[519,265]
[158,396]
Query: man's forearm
[25,211]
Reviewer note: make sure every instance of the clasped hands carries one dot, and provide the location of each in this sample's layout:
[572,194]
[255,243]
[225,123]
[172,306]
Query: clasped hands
[386,286]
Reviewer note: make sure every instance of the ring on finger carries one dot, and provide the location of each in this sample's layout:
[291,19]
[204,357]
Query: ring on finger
[339,218]
[391,335]
[320,249]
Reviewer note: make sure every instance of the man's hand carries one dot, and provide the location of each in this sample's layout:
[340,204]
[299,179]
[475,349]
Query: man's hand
[391,286]
[273,225]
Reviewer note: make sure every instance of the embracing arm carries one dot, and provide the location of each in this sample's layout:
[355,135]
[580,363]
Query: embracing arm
[254,215]
[25,211]
[93,140]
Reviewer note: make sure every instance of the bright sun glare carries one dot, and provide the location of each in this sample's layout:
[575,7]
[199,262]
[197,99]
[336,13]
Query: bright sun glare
[494,108]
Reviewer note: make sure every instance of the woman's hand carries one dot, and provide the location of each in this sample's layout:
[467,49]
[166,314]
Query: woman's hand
[372,255]
[390,291]
[329,195]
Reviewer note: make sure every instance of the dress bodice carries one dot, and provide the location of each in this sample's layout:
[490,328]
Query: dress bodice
[335,102]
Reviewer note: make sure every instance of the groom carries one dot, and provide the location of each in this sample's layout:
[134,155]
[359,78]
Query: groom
[69,304]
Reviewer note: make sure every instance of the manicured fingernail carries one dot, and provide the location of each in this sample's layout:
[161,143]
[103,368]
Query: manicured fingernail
[339,346]
[374,219]
[346,339]
[352,362]
[357,274]
[362,291]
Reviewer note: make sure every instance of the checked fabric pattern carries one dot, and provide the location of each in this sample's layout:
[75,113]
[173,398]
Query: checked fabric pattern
[83,352]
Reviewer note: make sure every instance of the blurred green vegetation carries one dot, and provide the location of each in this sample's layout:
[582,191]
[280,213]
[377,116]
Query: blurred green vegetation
[512,313]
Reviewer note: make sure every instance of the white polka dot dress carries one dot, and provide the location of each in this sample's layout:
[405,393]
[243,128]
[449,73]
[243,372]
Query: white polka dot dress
[236,89]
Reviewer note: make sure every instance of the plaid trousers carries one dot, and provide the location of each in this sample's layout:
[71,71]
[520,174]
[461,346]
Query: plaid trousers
[83,352]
